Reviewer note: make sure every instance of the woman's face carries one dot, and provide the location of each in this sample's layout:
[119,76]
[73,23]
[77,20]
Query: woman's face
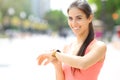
[78,21]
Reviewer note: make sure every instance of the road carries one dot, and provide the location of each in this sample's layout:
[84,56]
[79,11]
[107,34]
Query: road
[18,59]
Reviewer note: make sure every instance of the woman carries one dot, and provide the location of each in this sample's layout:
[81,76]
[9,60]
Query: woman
[83,58]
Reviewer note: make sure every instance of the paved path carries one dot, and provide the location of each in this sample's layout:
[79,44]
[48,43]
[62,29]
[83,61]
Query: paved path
[18,59]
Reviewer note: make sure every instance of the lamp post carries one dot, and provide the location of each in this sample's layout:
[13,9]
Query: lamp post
[22,17]
[11,12]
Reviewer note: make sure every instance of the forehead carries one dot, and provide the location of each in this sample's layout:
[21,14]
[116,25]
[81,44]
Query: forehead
[75,12]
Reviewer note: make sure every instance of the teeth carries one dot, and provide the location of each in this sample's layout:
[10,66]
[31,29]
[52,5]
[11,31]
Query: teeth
[76,28]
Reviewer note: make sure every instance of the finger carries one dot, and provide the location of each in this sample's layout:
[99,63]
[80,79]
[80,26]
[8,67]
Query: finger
[41,58]
[46,62]
[49,60]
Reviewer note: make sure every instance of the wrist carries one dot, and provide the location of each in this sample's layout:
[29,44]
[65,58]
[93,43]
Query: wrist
[54,53]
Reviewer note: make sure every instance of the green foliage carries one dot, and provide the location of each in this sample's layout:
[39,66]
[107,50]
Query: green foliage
[105,9]
[56,19]
[117,21]
[20,5]
[14,21]
[0,17]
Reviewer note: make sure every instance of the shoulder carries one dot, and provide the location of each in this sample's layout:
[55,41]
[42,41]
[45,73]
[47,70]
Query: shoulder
[98,49]
[99,45]
[67,47]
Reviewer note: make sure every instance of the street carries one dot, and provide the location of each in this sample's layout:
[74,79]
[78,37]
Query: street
[18,59]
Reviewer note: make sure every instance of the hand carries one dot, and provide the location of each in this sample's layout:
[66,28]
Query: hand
[47,56]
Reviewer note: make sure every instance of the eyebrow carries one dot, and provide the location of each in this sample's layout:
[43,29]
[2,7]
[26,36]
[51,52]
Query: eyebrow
[79,16]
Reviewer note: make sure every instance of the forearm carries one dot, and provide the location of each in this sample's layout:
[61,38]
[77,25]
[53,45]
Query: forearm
[71,60]
[59,72]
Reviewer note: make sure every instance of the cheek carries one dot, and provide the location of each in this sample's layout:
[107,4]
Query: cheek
[85,23]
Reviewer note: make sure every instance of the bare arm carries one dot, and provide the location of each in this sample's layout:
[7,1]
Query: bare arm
[59,71]
[96,54]
[58,67]
[57,64]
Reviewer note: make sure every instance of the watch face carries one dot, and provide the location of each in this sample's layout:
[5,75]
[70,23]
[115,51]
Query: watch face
[58,51]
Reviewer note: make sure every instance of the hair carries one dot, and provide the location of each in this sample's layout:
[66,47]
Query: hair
[84,6]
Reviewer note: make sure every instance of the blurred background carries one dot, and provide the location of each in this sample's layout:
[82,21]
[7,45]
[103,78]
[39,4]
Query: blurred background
[28,27]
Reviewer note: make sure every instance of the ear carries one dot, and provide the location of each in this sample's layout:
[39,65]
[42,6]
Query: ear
[90,18]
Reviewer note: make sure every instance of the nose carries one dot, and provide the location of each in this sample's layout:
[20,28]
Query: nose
[74,23]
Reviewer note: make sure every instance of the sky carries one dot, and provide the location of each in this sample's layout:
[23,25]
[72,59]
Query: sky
[60,5]
[63,5]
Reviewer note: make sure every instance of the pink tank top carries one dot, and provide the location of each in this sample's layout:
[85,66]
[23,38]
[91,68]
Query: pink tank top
[89,74]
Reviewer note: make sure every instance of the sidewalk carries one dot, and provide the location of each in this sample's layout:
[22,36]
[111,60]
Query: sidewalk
[111,68]
[18,59]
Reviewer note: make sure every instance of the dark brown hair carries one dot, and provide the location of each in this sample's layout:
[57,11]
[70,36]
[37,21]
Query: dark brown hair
[84,6]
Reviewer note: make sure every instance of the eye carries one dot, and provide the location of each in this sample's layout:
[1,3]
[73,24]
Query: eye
[79,18]
[70,18]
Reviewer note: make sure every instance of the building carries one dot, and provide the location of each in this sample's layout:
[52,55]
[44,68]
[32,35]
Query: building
[40,7]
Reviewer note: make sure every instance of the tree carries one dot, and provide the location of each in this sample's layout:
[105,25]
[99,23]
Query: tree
[20,5]
[12,8]
[56,20]
[105,10]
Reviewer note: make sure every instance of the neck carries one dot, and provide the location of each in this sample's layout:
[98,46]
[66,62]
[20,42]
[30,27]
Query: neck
[81,38]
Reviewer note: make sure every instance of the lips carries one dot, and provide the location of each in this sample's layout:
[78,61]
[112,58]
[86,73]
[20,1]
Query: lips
[76,28]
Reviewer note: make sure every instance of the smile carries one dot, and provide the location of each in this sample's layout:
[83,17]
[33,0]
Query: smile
[76,28]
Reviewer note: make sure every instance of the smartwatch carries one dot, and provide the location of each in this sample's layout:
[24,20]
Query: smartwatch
[54,53]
